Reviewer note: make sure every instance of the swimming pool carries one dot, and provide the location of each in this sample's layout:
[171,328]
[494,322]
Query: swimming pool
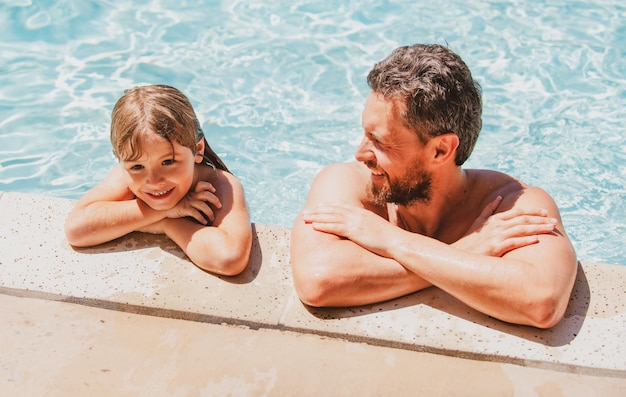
[279,86]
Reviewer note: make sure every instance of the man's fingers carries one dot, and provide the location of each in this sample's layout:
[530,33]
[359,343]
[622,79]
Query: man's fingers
[511,244]
[515,213]
[319,217]
[532,220]
[491,207]
[527,230]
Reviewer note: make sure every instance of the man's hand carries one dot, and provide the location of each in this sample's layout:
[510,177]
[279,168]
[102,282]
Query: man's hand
[197,204]
[490,234]
[354,223]
[496,234]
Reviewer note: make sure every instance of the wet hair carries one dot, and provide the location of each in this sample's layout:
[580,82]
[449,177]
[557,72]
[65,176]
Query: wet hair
[158,109]
[437,90]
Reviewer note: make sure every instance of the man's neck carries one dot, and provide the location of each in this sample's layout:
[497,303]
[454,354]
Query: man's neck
[432,218]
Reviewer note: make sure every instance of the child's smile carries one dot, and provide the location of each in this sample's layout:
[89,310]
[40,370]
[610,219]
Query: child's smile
[163,174]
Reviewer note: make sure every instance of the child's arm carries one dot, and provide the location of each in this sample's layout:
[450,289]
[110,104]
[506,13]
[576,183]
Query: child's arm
[224,247]
[106,212]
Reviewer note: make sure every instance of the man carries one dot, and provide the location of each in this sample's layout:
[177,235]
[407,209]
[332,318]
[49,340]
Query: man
[407,216]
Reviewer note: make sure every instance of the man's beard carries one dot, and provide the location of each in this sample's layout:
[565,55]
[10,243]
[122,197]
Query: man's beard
[415,186]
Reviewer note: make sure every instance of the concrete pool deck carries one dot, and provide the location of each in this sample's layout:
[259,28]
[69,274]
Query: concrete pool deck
[135,317]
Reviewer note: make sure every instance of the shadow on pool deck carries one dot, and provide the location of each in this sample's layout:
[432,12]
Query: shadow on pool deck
[141,241]
[560,335]
[148,274]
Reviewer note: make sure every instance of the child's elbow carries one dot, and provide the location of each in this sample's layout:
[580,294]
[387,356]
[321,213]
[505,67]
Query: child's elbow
[226,264]
[235,266]
[75,234]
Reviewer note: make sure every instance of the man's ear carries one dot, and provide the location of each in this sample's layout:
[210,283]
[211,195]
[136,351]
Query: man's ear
[445,146]
[199,155]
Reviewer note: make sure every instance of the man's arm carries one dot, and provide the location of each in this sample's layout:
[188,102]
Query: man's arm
[329,270]
[529,285]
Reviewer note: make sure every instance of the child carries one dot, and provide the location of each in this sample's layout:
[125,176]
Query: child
[168,181]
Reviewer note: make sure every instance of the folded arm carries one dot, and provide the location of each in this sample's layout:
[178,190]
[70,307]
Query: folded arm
[224,247]
[109,211]
[330,270]
[527,284]
[106,212]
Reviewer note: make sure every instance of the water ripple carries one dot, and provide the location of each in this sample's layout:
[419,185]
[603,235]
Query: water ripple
[280,85]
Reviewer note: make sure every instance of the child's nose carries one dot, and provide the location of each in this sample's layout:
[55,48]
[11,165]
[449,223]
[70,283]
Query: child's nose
[154,177]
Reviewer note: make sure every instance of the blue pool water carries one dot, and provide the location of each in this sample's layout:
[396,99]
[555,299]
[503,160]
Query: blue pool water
[279,86]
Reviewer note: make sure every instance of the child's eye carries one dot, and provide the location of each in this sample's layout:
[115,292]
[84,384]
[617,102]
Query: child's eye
[168,162]
[136,167]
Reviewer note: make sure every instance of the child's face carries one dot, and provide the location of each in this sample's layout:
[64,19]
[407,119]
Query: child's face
[160,177]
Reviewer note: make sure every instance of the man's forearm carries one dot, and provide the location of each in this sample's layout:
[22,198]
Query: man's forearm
[511,288]
[329,271]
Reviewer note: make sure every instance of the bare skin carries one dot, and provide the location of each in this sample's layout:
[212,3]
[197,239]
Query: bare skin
[201,209]
[484,237]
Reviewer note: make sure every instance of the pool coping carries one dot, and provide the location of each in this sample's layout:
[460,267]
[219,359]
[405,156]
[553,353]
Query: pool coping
[148,274]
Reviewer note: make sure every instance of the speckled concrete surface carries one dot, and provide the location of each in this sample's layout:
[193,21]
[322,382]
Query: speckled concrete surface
[61,349]
[141,272]
[148,274]
[589,339]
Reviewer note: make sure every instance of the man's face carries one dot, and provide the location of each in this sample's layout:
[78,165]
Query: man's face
[394,154]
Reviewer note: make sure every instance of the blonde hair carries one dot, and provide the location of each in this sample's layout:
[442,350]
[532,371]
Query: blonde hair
[158,109]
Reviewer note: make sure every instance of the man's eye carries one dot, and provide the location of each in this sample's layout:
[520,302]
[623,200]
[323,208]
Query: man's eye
[378,143]
[375,141]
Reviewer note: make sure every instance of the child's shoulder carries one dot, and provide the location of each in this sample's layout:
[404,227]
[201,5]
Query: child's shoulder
[227,177]
[218,177]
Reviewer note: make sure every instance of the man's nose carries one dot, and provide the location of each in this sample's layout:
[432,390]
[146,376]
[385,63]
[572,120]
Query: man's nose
[364,151]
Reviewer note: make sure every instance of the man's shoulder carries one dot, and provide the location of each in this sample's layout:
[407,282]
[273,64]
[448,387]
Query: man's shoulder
[491,175]
[351,171]
[350,166]
[345,181]
[492,182]
[514,192]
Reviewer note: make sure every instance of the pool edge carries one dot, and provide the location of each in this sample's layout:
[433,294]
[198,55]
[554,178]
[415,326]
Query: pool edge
[147,275]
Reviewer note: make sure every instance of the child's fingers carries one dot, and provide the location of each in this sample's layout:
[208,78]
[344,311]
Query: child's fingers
[204,186]
[206,210]
[206,196]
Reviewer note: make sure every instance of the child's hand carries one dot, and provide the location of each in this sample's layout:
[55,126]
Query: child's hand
[197,204]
